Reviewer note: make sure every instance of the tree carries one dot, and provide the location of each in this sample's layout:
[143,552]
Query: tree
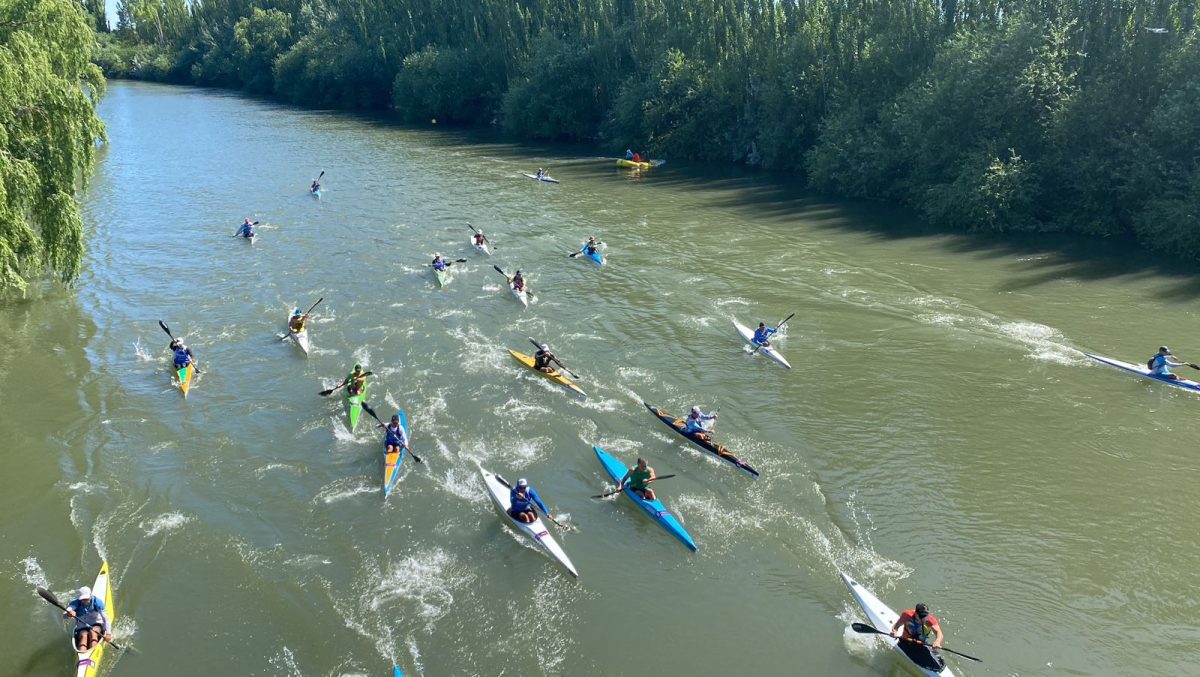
[48,134]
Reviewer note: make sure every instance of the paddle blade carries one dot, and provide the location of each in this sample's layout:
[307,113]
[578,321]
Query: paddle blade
[866,629]
[166,328]
[500,270]
[471,227]
[367,408]
[503,481]
[49,597]
[326,393]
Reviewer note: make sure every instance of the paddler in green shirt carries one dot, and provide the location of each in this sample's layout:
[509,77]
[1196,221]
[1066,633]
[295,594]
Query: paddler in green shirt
[640,476]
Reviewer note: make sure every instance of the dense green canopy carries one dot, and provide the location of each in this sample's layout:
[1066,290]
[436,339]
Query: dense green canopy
[48,135]
[1074,115]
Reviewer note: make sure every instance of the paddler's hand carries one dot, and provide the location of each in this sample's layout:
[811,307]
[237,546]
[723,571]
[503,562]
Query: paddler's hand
[69,613]
[108,636]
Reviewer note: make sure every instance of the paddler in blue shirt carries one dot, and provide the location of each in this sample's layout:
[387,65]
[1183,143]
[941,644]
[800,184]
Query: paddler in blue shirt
[523,499]
[247,229]
[591,246]
[316,185]
[439,263]
[761,334]
[394,437]
[1160,363]
[90,618]
[183,354]
[694,424]
[628,154]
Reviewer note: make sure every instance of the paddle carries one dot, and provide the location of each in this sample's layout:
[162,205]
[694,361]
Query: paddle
[240,229]
[571,256]
[450,263]
[548,515]
[327,393]
[660,477]
[168,330]
[556,361]
[289,333]
[501,271]
[867,629]
[776,329]
[49,597]
[371,411]
[318,181]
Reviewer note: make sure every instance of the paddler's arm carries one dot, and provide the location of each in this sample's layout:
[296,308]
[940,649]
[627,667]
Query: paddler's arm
[897,625]
[538,501]
[937,631]
[621,482]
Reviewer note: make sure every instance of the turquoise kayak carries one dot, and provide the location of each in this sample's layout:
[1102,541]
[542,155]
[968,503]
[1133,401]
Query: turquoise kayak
[594,256]
[655,509]
[396,671]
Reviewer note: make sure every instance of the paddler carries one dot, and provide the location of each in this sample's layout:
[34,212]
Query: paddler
[480,238]
[316,185]
[542,359]
[920,625]
[518,281]
[523,499]
[628,154]
[439,264]
[1160,363]
[591,246]
[639,477]
[183,354]
[355,382]
[761,334]
[90,618]
[541,172]
[247,229]
[694,424]
[296,323]
[394,437]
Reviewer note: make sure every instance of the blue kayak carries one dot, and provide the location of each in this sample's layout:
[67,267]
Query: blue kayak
[396,671]
[392,461]
[655,509]
[1140,370]
[595,255]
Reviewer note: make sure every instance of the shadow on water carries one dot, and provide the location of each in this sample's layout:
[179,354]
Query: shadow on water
[1045,257]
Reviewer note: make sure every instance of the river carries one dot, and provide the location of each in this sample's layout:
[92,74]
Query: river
[941,436]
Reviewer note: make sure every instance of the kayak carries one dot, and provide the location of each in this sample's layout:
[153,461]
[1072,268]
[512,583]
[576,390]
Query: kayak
[185,377]
[441,277]
[250,238]
[392,461]
[535,177]
[522,296]
[594,256]
[315,193]
[555,376]
[622,162]
[301,339]
[499,489]
[678,425]
[88,662]
[354,402]
[481,247]
[396,671]
[883,618]
[655,509]
[748,335]
[1141,370]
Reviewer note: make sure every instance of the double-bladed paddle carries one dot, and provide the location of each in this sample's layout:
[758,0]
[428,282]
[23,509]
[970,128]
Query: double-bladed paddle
[776,329]
[622,488]
[571,256]
[49,597]
[501,271]
[289,333]
[485,237]
[327,393]
[239,232]
[371,411]
[867,629]
[450,263]
[168,330]
[550,517]
[556,360]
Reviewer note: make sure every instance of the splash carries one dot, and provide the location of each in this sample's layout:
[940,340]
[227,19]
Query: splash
[165,523]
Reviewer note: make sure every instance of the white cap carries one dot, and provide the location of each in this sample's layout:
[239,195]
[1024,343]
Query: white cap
[522,482]
[696,410]
[85,592]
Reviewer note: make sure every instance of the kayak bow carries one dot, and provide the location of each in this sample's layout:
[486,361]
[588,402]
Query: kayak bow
[499,490]
[678,425]
[594,256]
[555,375]
[354,403]
[185,377]
[544,178]
[655,509]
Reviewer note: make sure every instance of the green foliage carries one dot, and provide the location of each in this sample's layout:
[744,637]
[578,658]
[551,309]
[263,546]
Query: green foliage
[259,39]
[452,85]
[48,135]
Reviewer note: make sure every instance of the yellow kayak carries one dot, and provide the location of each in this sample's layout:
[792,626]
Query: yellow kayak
[552,375]
[185,378]
[622,162]
[88,664]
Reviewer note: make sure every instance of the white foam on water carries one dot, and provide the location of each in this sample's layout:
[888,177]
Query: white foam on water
[33,574]
[142,353]
[600,405]
[164,523]
[520,410]
[734,301]
[284,663]
[347,487]
[428,579]
[261,472]
[415,653]
[81,487]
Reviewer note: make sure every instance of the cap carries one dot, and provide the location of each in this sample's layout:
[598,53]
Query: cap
[696,410]
[85,592]
[357,367]
[297,312]
[1164,349]
[545,347]
[922,610]
[395,418]
[522,482]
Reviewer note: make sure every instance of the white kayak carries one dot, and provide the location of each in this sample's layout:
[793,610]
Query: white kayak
[522,295]
[301,339]
[883,618]
[482,248]
[748,334]
[1142,371]
[499,491]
